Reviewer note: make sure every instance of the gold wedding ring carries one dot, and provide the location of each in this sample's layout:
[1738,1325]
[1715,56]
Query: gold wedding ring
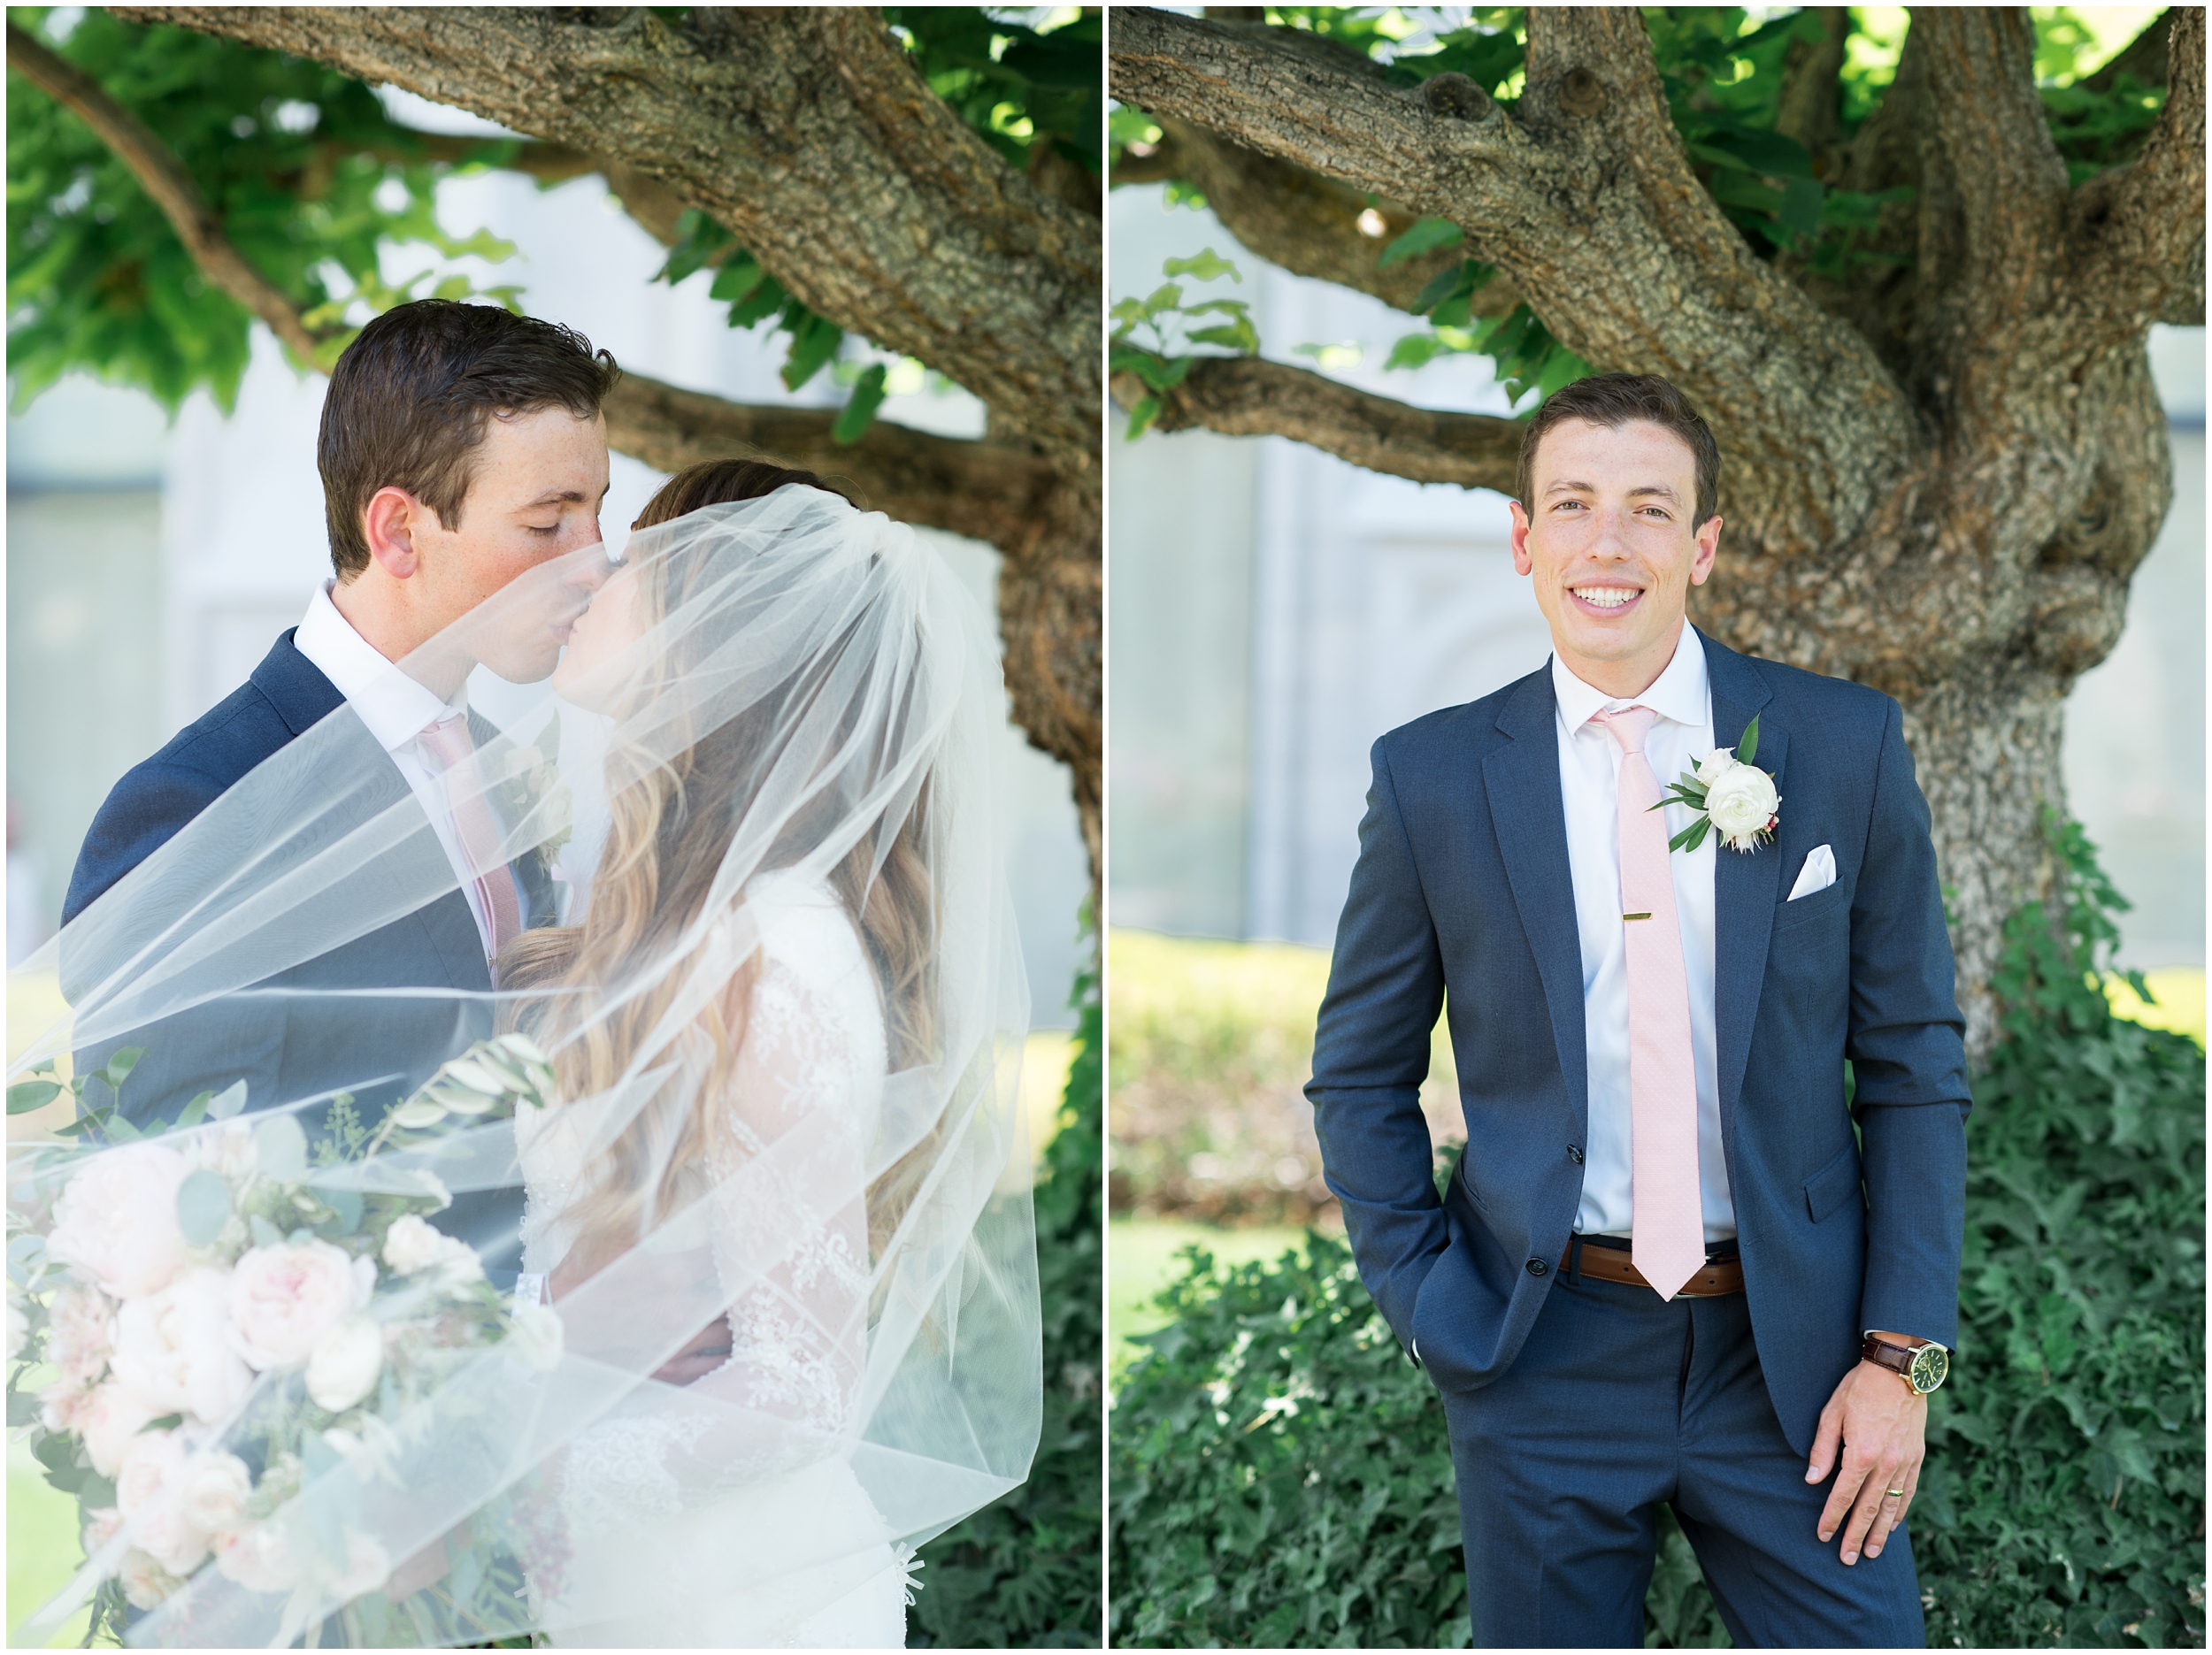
[1895,1494]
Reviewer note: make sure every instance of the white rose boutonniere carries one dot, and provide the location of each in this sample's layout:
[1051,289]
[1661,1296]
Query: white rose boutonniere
[1730,794]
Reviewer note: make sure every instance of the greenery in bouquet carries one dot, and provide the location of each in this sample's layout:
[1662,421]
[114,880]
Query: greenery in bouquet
[207,1316]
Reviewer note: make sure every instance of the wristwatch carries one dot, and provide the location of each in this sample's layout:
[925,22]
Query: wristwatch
[1922,1369]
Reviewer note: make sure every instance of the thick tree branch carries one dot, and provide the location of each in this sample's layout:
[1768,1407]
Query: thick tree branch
[1243,396]
[2142,255]
[1312,226]
[2145,57]
[1584,197]
[989,491]
[1809,108]
[809,133]
[1992,236]
[163,177]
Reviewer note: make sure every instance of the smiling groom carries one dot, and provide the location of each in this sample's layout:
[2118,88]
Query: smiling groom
[1666,1270]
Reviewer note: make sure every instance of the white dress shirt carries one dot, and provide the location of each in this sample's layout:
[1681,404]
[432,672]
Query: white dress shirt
[398,709]
[1589,787]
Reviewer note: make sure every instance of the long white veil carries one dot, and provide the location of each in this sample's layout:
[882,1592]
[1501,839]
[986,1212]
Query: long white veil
[768,1084]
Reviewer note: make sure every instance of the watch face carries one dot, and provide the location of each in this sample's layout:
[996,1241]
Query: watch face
[1930,1364]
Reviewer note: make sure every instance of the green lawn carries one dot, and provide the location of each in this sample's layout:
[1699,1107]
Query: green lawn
[1140,1260]
[44,1550]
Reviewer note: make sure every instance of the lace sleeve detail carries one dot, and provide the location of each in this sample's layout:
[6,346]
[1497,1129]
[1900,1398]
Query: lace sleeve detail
[789,1212]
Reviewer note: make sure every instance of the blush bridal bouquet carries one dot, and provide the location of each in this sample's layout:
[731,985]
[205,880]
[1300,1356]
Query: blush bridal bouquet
[217,1337]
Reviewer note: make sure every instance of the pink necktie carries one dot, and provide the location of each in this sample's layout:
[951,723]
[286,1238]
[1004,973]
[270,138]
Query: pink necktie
[448,744]
[1668,1223]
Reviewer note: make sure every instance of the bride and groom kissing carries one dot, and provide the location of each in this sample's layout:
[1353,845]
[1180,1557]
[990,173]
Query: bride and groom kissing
[742,886]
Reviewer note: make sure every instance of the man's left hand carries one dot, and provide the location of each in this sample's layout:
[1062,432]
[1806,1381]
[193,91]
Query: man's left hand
[1881,1425]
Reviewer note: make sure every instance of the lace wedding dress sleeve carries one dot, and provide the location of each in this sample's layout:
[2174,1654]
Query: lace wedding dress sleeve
[724,1511]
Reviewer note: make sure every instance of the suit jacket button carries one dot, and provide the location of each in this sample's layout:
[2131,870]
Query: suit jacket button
[1574,1154]
[1537,1267]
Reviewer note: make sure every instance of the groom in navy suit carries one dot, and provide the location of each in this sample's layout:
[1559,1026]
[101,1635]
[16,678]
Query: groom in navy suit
[462,448]
[1666,1268]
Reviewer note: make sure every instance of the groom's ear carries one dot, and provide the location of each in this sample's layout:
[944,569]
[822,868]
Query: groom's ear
[389,523]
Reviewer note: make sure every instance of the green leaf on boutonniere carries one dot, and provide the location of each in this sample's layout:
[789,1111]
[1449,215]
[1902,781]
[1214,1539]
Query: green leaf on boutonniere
[1693,836]
[1748,748]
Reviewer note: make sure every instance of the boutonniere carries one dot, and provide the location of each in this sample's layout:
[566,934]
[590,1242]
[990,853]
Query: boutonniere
[1728,793]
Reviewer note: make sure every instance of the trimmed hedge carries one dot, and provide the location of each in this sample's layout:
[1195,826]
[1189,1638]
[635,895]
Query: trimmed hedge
[1281,1474]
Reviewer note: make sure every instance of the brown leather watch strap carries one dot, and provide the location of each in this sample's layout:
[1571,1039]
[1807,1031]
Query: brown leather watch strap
[1896,1358]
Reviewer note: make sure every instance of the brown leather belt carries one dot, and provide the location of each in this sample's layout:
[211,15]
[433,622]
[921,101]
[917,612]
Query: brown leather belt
[1719,1277]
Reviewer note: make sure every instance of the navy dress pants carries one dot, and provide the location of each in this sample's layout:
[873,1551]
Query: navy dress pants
[1619,1402]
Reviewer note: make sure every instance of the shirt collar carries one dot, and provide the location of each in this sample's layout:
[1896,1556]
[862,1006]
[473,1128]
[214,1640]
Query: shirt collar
[1679,693]
[395,707]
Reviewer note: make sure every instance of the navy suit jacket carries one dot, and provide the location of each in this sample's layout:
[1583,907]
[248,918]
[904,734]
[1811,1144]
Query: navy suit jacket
[1462,897]
[288,1053]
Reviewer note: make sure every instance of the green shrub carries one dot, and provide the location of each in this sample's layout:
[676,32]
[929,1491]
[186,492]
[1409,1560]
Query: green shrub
[1281,1474]
[1024,1571]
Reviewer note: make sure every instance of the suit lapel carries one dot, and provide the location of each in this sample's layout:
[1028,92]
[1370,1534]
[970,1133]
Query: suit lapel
[1521,781]
[1746,883]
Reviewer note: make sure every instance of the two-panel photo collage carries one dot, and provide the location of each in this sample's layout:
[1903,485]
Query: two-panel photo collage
[1076,827]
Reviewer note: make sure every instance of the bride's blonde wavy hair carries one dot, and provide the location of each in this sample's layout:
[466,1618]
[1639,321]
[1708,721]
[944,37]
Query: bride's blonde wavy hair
[672,822]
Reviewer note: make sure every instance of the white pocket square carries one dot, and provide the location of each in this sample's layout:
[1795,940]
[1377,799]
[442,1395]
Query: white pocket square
[1818,873]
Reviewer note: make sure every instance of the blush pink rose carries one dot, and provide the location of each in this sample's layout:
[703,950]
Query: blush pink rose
[214,1491]
[79,1333]
[147,1491]
[145,1582]
[117,1220]
[101,1527]
[109,1419]
[173,1350]
[285,1298]
[257,1558]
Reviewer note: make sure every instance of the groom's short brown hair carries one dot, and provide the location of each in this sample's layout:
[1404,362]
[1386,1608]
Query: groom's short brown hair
[409,400]
[1611,400]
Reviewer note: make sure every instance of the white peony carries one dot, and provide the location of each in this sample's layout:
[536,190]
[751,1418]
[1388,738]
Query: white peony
[117,1220]
[109,1419]
[228,1151]
[411,1245]
[80,1332]
[258,1557]
[346,1361]
[1741,803]
[174,1351]
[214,1491]
[145,1582]
[536,1336]
[285,1298]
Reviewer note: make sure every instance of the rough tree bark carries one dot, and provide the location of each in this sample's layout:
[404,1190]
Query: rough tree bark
[1938,485]
[807,133]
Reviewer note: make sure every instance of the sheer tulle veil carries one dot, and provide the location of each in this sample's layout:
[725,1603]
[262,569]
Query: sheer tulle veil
[782,1015]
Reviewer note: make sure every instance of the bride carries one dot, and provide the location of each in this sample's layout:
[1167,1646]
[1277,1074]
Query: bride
[773,1184]
[731,1516]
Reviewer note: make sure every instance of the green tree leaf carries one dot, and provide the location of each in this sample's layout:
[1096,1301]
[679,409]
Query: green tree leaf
[859,411]
[1427,235]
